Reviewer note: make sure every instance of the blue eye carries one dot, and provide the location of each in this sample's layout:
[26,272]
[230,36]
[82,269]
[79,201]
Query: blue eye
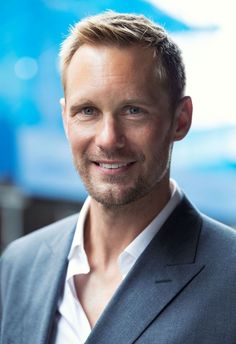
[134,110]
[88,111]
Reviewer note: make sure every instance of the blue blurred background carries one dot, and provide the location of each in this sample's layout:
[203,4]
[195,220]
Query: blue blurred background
[36,171]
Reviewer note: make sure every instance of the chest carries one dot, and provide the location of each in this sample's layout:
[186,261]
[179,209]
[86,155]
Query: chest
[94,292]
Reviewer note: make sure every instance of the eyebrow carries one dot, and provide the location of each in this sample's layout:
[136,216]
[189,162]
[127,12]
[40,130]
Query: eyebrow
[148,104]
[136,101]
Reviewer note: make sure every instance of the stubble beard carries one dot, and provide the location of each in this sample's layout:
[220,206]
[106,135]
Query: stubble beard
[113,194]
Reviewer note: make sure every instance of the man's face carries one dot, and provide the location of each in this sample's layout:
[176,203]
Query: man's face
[118,122]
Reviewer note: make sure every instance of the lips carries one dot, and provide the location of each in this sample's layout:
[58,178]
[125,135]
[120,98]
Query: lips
[113,166]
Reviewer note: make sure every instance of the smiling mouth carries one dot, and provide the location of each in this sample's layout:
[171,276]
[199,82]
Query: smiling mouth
[113,166]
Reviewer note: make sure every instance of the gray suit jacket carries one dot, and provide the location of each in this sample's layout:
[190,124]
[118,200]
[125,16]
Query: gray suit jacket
[181,290]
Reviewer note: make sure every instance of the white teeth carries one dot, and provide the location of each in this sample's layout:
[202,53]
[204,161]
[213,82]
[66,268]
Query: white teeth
[112,166]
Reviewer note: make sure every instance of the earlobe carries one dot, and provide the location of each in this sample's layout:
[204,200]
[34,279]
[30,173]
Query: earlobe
[183,118]
[63,111]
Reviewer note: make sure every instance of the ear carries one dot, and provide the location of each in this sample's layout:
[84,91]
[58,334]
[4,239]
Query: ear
[183,118]
[64,117]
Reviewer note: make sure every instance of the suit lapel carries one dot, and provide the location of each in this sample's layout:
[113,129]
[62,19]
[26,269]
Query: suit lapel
[165,268]
[46,285]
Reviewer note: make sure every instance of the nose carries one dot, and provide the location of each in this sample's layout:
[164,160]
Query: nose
[109,135]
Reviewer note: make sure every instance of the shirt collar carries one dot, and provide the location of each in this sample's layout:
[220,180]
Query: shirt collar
[137,246]
[132,252]
[78,240]
[78,260]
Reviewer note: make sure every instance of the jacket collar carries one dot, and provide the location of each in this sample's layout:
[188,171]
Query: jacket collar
[46,284]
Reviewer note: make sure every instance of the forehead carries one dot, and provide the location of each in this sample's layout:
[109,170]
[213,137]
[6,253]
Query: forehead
[108,59]
[112,68]
[132,53]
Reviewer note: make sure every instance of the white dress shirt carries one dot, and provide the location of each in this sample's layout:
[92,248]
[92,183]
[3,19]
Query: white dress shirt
[73,326]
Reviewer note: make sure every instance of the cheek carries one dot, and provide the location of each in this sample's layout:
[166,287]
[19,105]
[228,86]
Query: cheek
[150,139]
[155,144]
[79,137]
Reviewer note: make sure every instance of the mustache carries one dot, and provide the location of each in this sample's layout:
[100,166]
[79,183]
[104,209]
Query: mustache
[124,156]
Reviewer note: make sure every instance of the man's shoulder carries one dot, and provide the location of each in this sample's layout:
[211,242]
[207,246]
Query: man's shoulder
[215,239]
[218,229]
[218,238]
[29,244]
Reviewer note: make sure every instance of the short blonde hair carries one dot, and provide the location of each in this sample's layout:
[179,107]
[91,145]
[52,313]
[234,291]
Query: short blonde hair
[124,30]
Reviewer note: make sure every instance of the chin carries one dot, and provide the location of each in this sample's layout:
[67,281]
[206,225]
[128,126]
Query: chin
[117,197]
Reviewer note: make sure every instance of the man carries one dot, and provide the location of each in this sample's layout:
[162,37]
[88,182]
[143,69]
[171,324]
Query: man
[139,264]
